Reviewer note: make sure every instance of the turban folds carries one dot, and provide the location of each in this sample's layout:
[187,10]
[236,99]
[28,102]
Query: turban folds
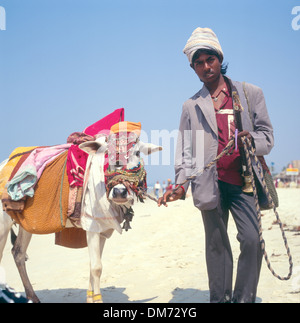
[126,126]
[202,38]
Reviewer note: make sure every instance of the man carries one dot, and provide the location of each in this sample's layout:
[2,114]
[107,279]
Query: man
[218,190]
[157,189]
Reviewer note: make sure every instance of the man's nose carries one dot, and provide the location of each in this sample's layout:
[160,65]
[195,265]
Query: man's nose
[206,67]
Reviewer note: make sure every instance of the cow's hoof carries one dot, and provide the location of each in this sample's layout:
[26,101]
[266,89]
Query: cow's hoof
[97,298]
[89,296]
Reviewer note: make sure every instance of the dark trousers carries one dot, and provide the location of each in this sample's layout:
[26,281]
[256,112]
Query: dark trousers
[218,251]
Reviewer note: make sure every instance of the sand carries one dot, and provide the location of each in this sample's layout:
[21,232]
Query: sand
[161,260]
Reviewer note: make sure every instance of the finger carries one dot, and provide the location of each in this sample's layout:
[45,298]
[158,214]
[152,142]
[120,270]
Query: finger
[166,197]
[243,133]
[161,201]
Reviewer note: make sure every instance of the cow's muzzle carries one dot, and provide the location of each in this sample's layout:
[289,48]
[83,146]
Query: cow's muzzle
[119,194]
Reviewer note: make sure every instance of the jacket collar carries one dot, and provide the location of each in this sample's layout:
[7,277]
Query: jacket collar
[245,114]
[204,102]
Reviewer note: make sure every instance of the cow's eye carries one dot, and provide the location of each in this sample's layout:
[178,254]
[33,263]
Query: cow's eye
[137,153]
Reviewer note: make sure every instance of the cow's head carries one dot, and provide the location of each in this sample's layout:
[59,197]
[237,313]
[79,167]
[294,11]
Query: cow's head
[125,175]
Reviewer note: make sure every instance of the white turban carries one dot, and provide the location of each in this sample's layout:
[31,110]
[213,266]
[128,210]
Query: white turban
[202,38]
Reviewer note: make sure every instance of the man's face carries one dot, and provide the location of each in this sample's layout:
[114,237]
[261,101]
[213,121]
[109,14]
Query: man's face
[208,68]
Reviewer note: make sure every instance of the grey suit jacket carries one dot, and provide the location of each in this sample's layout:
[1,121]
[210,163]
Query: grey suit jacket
[197,142]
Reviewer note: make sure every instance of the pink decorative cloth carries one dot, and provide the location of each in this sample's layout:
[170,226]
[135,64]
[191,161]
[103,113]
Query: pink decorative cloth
[77,158]
[29,173]
[106,123]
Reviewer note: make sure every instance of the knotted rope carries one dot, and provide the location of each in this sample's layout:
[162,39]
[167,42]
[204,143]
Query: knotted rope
[249,149]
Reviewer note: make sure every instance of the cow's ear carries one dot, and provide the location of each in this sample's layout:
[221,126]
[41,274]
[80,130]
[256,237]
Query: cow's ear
[91,147]
[148,149]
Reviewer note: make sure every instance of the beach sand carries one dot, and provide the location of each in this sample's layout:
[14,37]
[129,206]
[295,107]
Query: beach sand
[160,260]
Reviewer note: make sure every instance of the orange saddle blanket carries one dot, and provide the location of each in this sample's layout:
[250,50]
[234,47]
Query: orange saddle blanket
[46,211]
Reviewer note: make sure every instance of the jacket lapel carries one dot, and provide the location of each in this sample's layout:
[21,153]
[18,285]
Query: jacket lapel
[205,104]
[246,121]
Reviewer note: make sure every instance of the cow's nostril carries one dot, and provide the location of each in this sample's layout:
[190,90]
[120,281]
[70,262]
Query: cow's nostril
[124,192]
[116,192]
[119,192]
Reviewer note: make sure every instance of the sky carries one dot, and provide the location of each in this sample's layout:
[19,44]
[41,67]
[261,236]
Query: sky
[64,64]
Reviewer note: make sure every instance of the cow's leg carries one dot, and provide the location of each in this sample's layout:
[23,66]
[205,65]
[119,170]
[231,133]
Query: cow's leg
[95,245]
[19,253]
[5,225]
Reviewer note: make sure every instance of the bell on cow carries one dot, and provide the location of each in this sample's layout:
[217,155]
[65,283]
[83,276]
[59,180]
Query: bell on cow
[126,225]
[247,188]
[128,218]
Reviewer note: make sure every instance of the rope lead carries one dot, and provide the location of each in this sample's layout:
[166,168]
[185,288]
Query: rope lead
[249,149]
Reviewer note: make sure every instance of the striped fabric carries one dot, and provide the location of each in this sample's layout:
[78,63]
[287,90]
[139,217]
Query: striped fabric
[202,38]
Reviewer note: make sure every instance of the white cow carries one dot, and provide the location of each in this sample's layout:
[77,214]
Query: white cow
[100,215]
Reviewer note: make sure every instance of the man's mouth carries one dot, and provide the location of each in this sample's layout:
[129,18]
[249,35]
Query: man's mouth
[208,75]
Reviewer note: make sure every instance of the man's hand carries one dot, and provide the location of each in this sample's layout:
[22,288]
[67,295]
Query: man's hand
[171,196]
[243,133]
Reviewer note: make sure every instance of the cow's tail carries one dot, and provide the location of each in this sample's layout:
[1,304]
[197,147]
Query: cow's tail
[13,236]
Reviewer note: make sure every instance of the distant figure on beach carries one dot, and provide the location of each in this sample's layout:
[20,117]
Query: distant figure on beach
[164,187]
[170,185]
[157,189]
[218,190]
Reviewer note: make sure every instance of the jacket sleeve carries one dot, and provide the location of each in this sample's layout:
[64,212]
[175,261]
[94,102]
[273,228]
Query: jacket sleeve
[183,157]
[262,133]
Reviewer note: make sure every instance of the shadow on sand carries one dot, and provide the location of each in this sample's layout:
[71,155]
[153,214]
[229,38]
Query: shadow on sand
[113,294]
[110,295]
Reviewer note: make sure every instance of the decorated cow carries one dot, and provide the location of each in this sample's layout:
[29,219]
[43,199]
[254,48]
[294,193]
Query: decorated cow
[114,177]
